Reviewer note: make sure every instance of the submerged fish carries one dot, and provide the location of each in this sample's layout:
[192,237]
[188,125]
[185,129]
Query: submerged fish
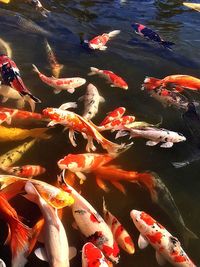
[15,154]
[59,84]
[25,171]
[5,48]
[15,134]
[115,80]
[145,32]
[91,101]
[167,247]
[55,66]
[113,115]
[39,7]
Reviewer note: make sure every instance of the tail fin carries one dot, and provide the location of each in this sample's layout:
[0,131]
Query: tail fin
[151,83]
[113,148]
[113,33]
[93,71]
[35,69]
[167,44]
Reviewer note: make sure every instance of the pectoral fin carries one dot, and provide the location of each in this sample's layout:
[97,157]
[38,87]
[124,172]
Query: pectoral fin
[151,143]
[72,252]
[70,90]
[119,186]
[167,145]
[56,91]
[81,176]
[41,254]
[142,242]
[160,259]
[102,99]
[4,99]
[101,184]
[81,98]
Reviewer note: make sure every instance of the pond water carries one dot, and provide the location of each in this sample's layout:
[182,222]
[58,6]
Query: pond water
[133,58]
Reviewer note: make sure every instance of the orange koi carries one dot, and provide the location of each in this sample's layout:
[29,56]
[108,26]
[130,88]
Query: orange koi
[113,115]
[120,234]
[117,124]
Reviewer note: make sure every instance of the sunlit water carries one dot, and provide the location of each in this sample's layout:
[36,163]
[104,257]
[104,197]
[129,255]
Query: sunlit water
[132,58]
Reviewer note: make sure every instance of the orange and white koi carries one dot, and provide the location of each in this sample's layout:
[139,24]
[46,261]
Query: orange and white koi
[77,123]
[56,250]
[168,247]
[117,124]
[92,256]
[54,196]
[59,84]
[25,171]
[113,79]
[87,162]
[18,234]
[55,66]
[99,42]
[120,234]
[91,224]
[176,82]
[113,115]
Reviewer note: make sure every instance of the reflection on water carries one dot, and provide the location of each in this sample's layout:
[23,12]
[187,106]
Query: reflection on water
[133,58]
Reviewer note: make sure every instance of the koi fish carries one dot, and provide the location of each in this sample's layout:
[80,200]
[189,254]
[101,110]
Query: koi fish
[5,48]
[54,196]
[116,124]
[67,84]
[21,114]
[5,1]
[2,263]
[9,93]
[92,256]
[91,102]
[15,154]
[120,234]
[79,163]
[91,224]
[56,250]
[25,171]
[77,123]
[151,83]
[11,76]
[113,79]
[170,98]
[39,7]
[18,234]
[15,134]
[55,66]
[194,6]
[113,115]
[151,35]
[168,247]
[155,135]
[99,42]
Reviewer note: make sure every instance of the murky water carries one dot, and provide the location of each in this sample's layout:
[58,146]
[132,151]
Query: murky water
[132,58]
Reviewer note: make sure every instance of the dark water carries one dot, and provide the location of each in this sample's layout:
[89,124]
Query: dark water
[133,58]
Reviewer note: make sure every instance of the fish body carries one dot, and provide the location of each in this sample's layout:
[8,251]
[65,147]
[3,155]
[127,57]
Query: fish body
[113,115]
[15,134]
[55,66]
[92,256]
[55,238]
[115,80]
[155,136]
[79,163]
[167,247]
[99,42]
[91,102]
[59,84]
[116,124]
[92,225]
[15,154]
[170,98]
[11,76]
[148,33]
[77,123]
[120,234]
[54,196]
[39,7]
[25,171]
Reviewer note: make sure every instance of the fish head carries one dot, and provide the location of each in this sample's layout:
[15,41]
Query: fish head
[142,220]
[80,81]
[125,86]
[151,83]
[72,162]
[180,137]
[52,113]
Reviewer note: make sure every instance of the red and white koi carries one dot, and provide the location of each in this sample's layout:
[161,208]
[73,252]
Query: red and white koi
[25,171]
[92,256]
[117,124]
[113,115]
[168,247]
[91,101]
[113,79]
[99,42]
[59,84]
[77,123]
[120,234]
[79,163]
[56,250]
[6,117]
[91,224]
